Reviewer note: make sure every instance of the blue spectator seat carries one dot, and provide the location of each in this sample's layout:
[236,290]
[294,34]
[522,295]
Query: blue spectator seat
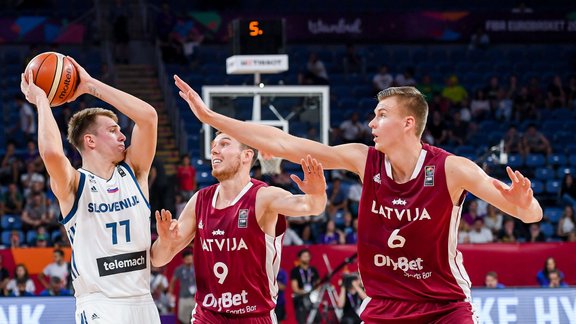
[55,236]
[515,160]
[10,222]
[562,171]
[537,186]
[557,159]
[31,236]
[535,160]
[572,159]
[553,214]
[204,179]
[547,229]
[552,186]
[544,174]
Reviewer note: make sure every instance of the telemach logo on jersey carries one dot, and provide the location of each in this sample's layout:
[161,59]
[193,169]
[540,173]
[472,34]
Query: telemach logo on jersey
[121,263]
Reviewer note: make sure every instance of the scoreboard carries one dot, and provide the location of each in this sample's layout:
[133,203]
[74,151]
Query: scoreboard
[258,36]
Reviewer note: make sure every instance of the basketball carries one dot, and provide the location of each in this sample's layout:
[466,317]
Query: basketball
[55,74]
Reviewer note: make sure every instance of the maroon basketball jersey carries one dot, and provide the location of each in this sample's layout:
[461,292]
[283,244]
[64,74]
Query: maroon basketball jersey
[236,263]
[407,233]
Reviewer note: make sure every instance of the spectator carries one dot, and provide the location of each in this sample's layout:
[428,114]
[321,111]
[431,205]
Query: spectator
[11,164]
[493,219]
[332,235]
[524,106]
[556,281]
[56,288]
[556,94]
[491,91]
[459,130]
[463,233]
[350,298]
[438,128]
[179,204]
[4,276]
[504,106]
[535,142]
[479,40]
[190,46]
[428,88]
[315,72]
[30,177]
[354,194]
[472,213]
[352,130]
[352,235]
[120,16]
[509,233]
[568,190]
[13,200]
[291,237]
[491,280]
[186,177]
[303,278]
[535,234]
[21,290]
[280,310]
[567,223]
[35,213]
[480,106]
[28,125]
[513,143]
[543,275]
[16,239]
[480,233]
[158,186]
[159,289]
[187,277]
[453,91]
[383,79]
[353,62]
[59,268]
[20,276]
[406,78]
[337,202]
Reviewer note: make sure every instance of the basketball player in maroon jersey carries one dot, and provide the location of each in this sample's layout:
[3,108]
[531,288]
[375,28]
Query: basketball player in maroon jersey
[412,197]
[237,226]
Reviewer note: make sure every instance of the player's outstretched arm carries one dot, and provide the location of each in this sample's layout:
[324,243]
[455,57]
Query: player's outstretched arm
[349,156]
[62,174]
[143,142]
[516,200]
[312,202]
[173,235]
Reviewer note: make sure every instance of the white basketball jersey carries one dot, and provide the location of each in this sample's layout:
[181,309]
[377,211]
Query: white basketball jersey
[109,229]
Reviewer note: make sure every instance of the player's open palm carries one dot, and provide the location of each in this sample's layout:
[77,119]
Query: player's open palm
[84,79]
[519,192]
[193,99]
[314,181]
[166,227]
[31,91]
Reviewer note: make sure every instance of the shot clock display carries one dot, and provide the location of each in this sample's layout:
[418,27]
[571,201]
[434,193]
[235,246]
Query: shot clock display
[257,36]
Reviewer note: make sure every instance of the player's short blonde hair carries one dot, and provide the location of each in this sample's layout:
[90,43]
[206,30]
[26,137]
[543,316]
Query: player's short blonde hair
[413,101]
[245,147]
[84,122]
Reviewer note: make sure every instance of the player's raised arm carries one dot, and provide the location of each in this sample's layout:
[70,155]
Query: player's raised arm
[516,200]
[144,134]
[62,174]
[312,202]
[283,145]
[173,235]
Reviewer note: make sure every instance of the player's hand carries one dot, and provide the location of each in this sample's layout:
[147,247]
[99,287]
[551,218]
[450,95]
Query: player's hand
[519,192]
[314,182]
[83,80]
[193,99]
[31,91]
[166,227]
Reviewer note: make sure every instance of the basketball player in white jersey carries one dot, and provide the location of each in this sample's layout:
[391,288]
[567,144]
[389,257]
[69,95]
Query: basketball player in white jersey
[412,195]
[105,202]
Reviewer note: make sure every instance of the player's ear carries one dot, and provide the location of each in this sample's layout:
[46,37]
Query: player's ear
[89,141]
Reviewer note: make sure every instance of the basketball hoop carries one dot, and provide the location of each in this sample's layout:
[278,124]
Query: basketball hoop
[270,165]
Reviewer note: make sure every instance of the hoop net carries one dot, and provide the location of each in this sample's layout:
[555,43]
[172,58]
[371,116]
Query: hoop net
[269,165]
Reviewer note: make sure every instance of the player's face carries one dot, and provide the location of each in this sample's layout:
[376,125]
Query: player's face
[388,123]
[226,157]
[110,139]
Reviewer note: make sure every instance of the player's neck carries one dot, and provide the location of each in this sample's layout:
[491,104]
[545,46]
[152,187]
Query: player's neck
[230,188]
[403,160]
[102,169]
